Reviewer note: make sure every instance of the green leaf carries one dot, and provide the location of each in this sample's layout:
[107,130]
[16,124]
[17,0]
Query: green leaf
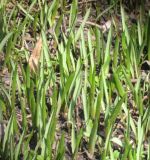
[18,147]
[3,42]
[118,85]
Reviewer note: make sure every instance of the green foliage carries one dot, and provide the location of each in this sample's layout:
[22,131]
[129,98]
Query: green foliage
[102,73]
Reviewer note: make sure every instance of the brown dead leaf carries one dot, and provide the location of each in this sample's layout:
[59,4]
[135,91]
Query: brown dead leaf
[35,56]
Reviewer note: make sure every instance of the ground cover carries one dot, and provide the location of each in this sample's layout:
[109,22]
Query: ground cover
[74,80]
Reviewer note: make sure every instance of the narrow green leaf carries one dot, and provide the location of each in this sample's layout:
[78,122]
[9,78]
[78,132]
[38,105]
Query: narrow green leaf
[3,42]
[118,85]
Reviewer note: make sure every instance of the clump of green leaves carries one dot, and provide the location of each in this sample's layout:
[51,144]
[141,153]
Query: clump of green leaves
[96,84]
